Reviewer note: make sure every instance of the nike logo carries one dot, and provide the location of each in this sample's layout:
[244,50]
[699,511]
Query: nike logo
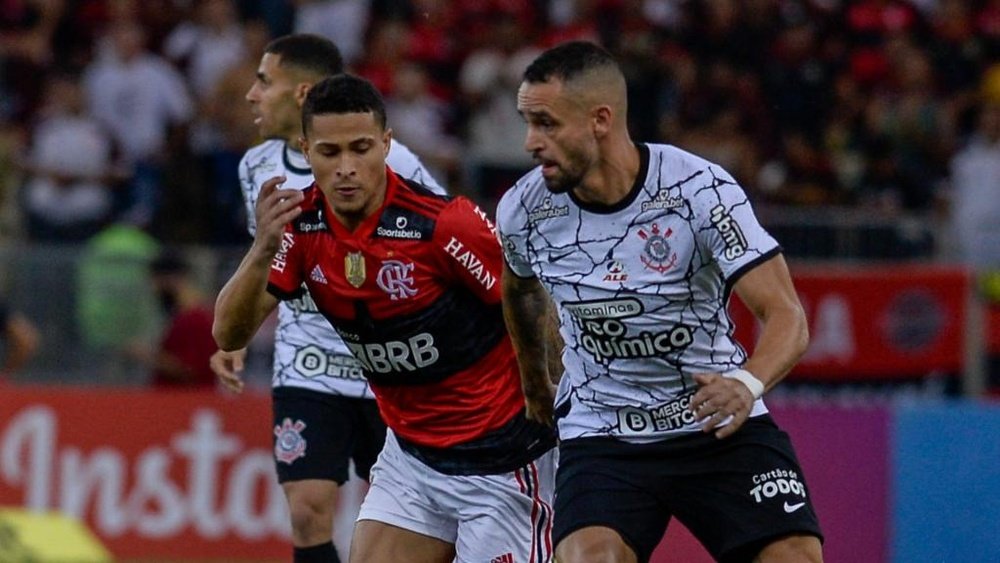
[790,508]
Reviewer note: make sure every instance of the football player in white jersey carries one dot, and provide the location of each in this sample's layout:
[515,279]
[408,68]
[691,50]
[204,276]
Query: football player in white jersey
[324,413]
[659,409]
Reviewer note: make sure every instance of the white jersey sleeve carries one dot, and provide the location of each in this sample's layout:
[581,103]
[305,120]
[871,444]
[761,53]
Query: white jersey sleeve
[407,164]
[265,161]
[248,190]
[728,224]
[512,229]
[308,353]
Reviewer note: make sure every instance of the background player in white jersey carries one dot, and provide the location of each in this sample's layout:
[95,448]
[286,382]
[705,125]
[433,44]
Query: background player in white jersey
[659,409]
[324,413]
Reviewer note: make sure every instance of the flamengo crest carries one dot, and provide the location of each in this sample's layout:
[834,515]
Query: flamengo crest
[396,279]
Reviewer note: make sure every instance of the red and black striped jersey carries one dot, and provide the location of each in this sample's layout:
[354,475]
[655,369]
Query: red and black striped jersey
[414,291]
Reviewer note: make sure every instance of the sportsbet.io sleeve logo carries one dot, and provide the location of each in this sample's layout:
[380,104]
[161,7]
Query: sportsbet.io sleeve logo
[605,336]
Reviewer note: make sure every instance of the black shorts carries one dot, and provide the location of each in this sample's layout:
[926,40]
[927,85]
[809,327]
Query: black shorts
[735,495]
[317,434]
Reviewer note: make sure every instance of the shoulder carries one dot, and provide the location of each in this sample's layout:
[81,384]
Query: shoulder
[415,195]
[527,195]
[677,167]
[413,213]
[463,220]
[263,152]
[401,154]
[408,166]
[442,213]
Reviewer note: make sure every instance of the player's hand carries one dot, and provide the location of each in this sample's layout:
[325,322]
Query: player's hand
[275,208]
[721,403]
[539,402]
[228,366]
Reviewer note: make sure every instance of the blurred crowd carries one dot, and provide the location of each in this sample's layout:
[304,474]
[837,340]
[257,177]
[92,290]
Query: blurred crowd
[129,111]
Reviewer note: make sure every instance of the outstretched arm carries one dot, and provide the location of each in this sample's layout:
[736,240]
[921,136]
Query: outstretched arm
[530,317]
[768,292]
[244,301]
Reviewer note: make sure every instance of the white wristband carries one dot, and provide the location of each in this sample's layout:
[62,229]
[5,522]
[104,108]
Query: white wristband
[755,385]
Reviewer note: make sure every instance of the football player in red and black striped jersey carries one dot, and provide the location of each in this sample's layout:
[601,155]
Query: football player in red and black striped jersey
[410,280]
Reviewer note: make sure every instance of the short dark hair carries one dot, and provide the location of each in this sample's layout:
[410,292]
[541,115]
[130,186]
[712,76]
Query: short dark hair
[309,52]
[566,61]
[343,93]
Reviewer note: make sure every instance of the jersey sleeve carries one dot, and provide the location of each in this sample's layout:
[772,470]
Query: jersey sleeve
[407,165]
[728,227]
[471,253]
[249,191]
[512,231]
[286,278]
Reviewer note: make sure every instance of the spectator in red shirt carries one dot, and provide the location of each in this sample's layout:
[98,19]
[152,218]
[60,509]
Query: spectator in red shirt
[187,343]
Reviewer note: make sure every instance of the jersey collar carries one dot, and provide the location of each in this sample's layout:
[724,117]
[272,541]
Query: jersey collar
[295,161]
[640,181]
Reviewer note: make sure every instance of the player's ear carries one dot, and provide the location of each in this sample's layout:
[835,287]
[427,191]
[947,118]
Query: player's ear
[304,146]
[301,91]
[386,140]
[601,120]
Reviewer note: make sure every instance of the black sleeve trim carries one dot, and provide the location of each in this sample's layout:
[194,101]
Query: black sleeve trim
[283,295]
[731,280]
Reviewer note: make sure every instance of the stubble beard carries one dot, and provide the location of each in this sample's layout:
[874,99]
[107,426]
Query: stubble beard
[563,181]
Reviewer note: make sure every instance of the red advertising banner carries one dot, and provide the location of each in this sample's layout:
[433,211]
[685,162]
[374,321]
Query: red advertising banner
[188,476]
[876,322]
[165,475]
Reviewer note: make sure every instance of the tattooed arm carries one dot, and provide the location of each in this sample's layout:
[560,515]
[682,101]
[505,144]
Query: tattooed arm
[531,321]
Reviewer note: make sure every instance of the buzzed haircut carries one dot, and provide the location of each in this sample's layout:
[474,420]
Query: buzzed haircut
[308,52]
[341,94]
[570,60]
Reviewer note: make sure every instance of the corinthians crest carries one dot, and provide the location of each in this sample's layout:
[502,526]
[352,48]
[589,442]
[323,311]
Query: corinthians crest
[657,254]
[354,268]
[289,444]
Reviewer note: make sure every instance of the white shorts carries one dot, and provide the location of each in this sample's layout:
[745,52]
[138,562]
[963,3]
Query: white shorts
[503,517]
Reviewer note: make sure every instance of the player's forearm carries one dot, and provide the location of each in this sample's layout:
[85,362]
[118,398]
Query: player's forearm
[554,345]
[783,339]
[525,309]
[243,303]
